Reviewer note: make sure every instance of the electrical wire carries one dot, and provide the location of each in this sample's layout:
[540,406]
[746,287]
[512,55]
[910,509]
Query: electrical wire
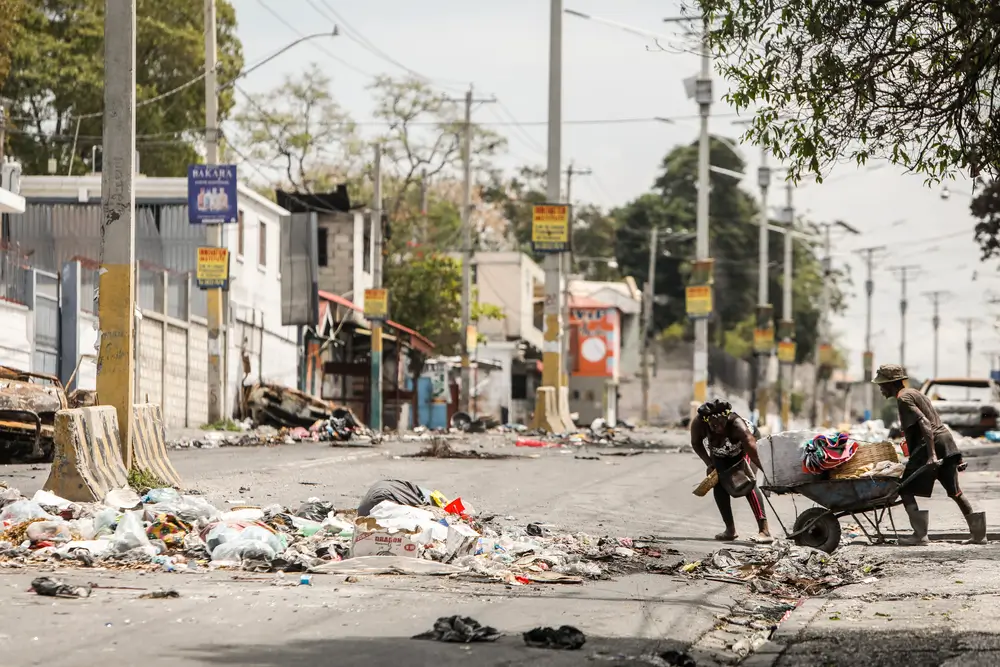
[319,48]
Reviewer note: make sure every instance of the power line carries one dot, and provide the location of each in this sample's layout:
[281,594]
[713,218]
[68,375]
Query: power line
[324,51]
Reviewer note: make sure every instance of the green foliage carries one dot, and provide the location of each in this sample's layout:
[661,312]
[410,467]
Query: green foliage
[57,75]
[796,403]
[910,81]
[426,296]
[986,207]
[10,33]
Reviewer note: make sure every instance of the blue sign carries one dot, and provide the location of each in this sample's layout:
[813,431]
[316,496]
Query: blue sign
[212,194]
[995,376]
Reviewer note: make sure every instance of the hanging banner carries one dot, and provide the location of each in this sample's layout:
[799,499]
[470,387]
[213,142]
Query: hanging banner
[212,194]
[377,304]
[786,352]
[550,228]
[698,301]
[763,340]
[213,268]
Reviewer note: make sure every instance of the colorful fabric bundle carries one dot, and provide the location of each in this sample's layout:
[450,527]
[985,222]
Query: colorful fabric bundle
[824,453]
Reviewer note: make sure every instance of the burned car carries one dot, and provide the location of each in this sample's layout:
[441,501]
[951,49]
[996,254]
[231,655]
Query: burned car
[28,406]
[969,406]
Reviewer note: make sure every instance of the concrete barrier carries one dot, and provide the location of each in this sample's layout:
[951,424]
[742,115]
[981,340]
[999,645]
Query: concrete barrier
[149,445]
[87,463]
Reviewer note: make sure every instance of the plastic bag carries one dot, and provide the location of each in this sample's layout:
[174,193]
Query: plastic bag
[188,508]
[105,521]
[123,499]
[422,523]
[83,527]
[315,510]
[335,526]
[237,551]
[162,496]
[24,510]
[130,533]
[49,499]
[49,531]
[235,531]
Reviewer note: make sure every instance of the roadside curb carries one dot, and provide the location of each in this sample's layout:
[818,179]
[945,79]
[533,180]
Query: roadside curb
[797,621]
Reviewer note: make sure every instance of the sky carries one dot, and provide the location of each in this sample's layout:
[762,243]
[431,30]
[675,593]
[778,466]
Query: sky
[615,76]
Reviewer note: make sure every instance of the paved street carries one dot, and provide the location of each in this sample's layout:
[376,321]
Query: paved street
[229,618]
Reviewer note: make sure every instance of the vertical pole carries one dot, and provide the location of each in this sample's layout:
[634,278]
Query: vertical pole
[116,292]
[763,358]
[968,354]
[822,332]
[902,323]
[216,317]
[423,206]
[376,353]
[704,96]
[552,367]
[467,256]
[647,320]
[937,323]
[869,293]
[787,312]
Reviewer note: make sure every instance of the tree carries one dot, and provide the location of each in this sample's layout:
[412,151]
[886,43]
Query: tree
[56,91]
[910,81]
[10,29]
[594,239]
[986,207]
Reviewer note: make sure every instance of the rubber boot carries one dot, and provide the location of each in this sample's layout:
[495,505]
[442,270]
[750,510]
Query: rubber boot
[919,521]
[977,527]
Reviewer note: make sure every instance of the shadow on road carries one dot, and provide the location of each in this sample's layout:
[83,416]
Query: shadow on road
[366,652]
[892,648]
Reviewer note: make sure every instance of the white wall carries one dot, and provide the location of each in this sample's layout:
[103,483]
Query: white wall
[255,303]
[16,335]
[86,375]
[507,280]
[496,393]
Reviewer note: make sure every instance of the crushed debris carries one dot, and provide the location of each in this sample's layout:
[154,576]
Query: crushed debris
[50,587]
[566,638]
[440,449]
[160,595]
[460,630]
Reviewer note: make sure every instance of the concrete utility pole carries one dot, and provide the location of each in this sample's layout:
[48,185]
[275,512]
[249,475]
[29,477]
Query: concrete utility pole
[554,334]
[787,313]
[935,298]
[468,254]
[568,267]
[116,290]
[375,418]
[904,273]
[216,316]
[764,319]
[868,356]
[969,322]
[647,320]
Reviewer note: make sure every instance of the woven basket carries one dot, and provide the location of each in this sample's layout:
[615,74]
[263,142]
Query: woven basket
[707,484]
[869,453]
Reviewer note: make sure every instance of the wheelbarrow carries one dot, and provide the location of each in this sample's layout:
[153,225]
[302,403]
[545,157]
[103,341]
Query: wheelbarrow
[870,498]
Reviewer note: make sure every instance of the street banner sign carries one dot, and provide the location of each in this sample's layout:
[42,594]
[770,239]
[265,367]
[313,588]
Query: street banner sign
[786,352]
[377,304]
[212,194]
[698,300]
[550,228]
[763,340]
[213,268]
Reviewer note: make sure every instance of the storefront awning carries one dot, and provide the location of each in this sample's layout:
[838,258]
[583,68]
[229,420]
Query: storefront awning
[407,335]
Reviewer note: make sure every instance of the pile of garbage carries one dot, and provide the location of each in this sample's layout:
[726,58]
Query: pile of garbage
[176,532]
[785,570]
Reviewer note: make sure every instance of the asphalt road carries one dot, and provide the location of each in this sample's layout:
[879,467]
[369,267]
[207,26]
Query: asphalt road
[227,618]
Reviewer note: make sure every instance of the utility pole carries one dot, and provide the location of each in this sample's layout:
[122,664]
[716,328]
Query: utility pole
[468,255]
[868,357]
[116,289]
[568,267]
[647,320]
[554,334]
[764,316]
[216,316]
[787,313]
[904,272]
[375,418]
[969,322]
[935,298]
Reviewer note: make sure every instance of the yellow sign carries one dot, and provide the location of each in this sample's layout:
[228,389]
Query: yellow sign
[763,340]
[550,228]
[213,268]
[786,352]
[377,304]
[826,355]
[471,339]
[867,362]
[699,301]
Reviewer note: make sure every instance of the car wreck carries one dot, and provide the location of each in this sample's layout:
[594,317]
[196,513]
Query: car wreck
[28,406]
[969,406]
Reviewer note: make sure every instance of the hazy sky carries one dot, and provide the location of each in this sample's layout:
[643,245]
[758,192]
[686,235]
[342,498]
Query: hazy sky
[610,74]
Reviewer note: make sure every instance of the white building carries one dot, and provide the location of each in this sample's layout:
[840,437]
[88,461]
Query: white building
[61,229]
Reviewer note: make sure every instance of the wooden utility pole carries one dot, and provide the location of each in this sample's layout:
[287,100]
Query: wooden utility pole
[905,273]
[935,297]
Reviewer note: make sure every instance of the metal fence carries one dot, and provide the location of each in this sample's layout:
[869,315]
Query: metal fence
[15,274]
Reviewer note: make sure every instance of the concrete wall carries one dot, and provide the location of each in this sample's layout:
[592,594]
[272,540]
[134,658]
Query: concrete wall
[172,368]
[16,335]
[345,271]
[496,393]
[508,280]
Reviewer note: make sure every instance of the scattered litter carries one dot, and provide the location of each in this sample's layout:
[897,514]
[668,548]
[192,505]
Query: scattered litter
[440,449]
[566,638]
[50,587]
[160,595]
[677,659]
[460,630]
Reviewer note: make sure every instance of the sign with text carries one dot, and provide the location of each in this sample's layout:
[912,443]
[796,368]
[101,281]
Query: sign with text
[786,352]
[867,363]
[763,340]
[826,356]
[212,194]
[698,300]
[377,304]
[550,228]
[213,268]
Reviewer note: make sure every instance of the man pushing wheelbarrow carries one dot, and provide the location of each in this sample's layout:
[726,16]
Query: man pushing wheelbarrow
[929,442]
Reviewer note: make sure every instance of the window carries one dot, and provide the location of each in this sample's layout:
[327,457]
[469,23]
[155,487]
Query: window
[519,387]
[322,249]
[239,234]
[262,244]
[366,262]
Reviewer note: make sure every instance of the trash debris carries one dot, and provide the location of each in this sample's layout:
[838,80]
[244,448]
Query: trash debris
[460,630]
[566,638]
[677,659]
[440,449]
[160,595]
[395,491]
[50,587]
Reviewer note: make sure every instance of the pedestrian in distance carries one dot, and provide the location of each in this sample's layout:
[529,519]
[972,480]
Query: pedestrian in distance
[929,443]
[727,444]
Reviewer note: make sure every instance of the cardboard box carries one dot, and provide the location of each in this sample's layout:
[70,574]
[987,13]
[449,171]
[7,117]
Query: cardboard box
[372,539]
[462,540]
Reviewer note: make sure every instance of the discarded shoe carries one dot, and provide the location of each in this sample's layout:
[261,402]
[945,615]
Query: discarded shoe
[52,588]
[460,630]
[566,638]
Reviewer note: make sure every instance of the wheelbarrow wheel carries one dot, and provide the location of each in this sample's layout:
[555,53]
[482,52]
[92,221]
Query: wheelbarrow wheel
[823,534]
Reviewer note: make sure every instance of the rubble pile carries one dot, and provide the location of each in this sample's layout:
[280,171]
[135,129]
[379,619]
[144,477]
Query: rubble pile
[175,532]
[784,570]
